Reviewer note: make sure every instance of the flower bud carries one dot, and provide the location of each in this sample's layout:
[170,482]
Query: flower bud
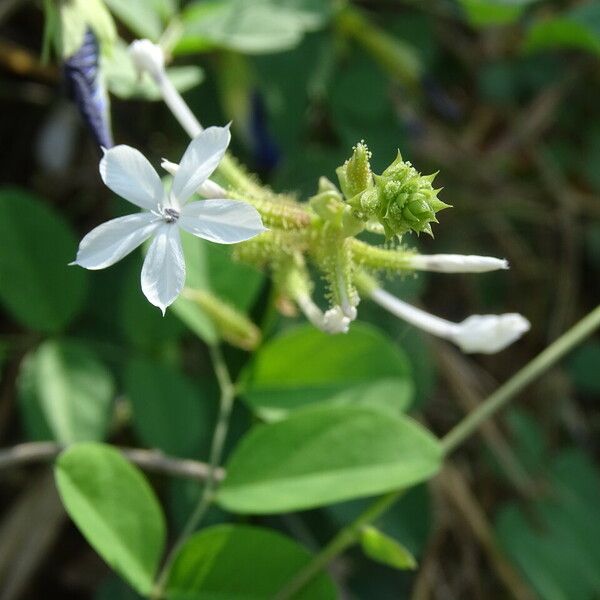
[355,174]
[489,333]
[147,56]
[402,200]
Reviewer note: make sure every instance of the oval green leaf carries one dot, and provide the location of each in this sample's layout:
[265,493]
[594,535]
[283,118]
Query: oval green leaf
[39,289]
[231,562]
[323,455]
[304,366]
[115,509]
[66,391]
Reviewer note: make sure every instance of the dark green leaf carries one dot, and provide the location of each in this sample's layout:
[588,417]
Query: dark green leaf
[36,284]
[169,411]
[233,562]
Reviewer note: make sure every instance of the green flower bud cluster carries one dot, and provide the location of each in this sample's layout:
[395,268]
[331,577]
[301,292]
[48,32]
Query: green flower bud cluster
[400,199]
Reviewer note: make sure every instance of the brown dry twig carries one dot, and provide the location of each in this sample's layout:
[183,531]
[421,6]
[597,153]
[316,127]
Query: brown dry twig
[149,460]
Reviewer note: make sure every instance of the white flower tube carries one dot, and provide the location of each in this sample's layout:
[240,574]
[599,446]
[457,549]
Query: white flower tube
[479,333]
[149,57]
[455,263]
[208,189]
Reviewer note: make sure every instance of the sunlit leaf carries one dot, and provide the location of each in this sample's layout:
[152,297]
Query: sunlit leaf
[304,366]
[386,550]
[323,455]
[66,392]
[114,508]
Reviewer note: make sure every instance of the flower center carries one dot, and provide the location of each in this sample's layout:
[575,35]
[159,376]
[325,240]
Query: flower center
[170,215]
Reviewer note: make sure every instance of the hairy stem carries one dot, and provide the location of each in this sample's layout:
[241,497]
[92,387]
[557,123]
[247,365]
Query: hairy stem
[226,401]
[534,369]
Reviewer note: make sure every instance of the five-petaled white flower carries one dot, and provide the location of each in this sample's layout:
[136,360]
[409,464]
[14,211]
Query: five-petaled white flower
[127,173]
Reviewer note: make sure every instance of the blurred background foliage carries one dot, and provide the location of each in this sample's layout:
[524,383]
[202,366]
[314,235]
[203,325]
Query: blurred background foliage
[500,96]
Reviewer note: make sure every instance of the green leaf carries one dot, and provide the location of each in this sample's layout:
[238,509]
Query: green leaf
[197,277]
[76,16]
[386,550]
[583,367]
[123,80]
[231,562]
[143,325]
[483,13]
[139,15]
[249,27]
[65,391]
[555,541]
[37,286]
[323,455]
[304,366]
[577,28]
[169,411]
[115,509]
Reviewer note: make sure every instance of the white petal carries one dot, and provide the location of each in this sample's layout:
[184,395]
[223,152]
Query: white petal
[163,273]
[201,158]
[456,263]
[490,333]
[126,172]
[111,241]
[221,221]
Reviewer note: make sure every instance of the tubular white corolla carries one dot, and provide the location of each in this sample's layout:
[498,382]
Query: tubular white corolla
[455,263]
[129,174]
[479,333]
[332,321]
[149,57]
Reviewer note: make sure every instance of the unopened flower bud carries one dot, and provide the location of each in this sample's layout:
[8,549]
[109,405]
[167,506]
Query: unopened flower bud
[147,56]
[355,174]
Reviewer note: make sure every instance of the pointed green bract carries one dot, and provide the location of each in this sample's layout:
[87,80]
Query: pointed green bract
[386,550]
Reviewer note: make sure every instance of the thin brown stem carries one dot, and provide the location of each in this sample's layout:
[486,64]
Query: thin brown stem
[153,461]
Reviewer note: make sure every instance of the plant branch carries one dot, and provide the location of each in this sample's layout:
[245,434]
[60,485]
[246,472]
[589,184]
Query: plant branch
[214,475]
[149,460]
[541,363]
[546,359]
[345,538]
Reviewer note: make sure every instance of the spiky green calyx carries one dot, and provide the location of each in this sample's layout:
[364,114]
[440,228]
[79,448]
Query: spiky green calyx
[355,174]
[401,200]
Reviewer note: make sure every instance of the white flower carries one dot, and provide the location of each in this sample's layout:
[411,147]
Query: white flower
[479,333]
[147,56]
[127,173]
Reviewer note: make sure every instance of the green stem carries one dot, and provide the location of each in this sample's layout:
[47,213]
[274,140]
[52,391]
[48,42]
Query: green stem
[226,401]
[345,538]
[541,363]
[546,359]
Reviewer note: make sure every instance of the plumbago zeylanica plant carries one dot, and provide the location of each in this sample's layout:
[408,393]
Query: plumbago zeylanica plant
[331,450]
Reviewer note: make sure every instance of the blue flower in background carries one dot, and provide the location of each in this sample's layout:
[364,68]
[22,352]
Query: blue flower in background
[84,86]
